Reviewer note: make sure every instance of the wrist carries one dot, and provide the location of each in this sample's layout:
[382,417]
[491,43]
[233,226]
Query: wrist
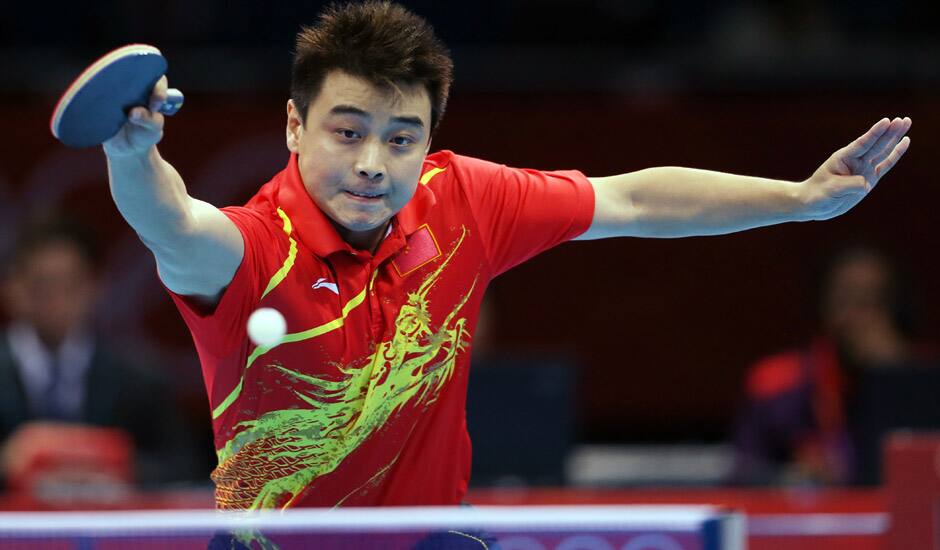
[801,200]
[129,157]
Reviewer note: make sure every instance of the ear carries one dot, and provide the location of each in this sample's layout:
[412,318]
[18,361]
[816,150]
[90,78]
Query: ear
[295,127]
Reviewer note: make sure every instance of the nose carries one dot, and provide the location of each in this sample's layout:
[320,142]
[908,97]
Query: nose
[370,163]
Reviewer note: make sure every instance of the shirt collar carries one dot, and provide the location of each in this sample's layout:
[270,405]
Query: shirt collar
[35,361]
[314,228]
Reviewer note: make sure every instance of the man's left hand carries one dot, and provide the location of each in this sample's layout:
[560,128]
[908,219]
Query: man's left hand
[853,171]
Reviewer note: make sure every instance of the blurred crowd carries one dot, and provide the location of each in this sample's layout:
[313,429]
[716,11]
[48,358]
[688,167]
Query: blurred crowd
[79,411]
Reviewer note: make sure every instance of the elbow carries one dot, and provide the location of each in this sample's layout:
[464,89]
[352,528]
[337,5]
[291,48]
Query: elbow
[172,236]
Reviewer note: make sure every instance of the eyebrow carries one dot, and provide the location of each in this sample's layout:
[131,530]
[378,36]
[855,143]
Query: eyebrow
[356,111]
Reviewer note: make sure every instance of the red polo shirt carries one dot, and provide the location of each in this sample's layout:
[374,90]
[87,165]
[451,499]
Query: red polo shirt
[363,402]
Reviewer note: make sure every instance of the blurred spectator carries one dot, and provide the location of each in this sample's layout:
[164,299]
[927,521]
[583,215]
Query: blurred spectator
[61,383]
[796,426]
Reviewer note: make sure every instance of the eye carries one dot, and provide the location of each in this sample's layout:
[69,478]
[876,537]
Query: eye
[347,134]
[402,141]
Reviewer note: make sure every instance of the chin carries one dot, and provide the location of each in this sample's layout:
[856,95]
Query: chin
[363,225]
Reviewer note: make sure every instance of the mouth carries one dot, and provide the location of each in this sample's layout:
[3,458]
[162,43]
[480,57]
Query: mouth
[364,196]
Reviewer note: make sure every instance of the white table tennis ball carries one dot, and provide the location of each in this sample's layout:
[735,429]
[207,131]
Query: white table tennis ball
[266,326]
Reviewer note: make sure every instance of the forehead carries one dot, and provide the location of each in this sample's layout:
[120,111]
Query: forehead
[862,268]
[341,88]
[54,253]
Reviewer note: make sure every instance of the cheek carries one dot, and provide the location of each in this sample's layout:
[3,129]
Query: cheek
[407,192]
[319,153]
[408,175]
[320,178]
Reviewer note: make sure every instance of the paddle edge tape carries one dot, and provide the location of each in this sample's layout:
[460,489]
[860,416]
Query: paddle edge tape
[89,73]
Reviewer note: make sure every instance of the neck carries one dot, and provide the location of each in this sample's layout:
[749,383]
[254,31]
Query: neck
[52,340]
[363,240]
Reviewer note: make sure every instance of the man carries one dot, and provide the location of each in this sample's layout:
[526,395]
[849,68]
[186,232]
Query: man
[57,373]
[801,421]
[378,255]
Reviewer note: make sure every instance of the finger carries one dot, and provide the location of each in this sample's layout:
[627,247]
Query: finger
[143,118]
[893,158]
[876,146]
[864,142]
[158,95]
[886,143]
[891,145]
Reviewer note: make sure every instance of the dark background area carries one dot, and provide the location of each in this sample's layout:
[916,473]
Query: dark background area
[663,329]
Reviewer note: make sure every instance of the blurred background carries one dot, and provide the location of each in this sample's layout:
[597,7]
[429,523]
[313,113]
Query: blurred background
[639,356]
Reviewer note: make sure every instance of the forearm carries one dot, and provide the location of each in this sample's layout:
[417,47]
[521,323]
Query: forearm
[197,247]
[151,196]
[679,202]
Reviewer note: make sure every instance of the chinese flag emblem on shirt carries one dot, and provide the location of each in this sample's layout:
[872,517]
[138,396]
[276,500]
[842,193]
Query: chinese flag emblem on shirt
[421,248]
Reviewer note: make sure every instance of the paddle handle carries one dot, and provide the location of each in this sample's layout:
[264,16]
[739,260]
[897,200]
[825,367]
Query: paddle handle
[174,100]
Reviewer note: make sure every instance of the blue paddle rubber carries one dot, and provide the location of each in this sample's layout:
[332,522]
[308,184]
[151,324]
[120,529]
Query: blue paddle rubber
[95,107]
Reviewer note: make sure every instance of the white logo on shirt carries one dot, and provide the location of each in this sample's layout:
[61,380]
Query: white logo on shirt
[322,283]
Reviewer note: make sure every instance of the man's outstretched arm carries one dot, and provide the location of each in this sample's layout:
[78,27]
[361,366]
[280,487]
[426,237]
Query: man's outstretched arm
[681,202]
[197,248]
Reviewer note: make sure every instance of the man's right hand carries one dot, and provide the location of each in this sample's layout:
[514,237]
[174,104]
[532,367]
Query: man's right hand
[143,129]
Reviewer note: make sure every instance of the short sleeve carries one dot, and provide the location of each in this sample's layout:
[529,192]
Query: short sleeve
[219,331]
[522,212]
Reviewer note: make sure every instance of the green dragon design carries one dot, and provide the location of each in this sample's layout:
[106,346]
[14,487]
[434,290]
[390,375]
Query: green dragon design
[284,451]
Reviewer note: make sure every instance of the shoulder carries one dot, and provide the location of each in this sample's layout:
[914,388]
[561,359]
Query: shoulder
[254,217]
[7,362]
[454,167]
[261,225]
[438,160]
[5,353]
[776,374]
[263,212]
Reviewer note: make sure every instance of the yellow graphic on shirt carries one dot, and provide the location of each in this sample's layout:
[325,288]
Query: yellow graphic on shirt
[291,255]
[279,277]
[274,457]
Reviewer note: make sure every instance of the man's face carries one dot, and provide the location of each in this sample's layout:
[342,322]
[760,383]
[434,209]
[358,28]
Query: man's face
[858,312]
[53,290]
[360,152]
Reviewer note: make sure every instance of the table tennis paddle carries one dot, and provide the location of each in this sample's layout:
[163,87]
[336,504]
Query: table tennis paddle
[95,107]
